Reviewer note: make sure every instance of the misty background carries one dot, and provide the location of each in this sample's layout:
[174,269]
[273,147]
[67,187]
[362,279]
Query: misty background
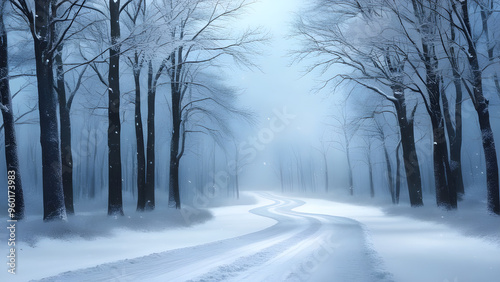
[305,153]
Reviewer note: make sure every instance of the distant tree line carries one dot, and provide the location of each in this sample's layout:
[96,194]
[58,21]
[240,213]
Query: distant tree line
[435,55]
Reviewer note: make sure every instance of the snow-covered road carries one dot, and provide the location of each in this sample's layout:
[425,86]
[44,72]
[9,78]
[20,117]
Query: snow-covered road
[278,238]
[299,247]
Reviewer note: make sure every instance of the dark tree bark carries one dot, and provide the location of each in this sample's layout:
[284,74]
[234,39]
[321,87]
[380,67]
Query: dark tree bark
[390,181]
[398,173]
[115,204]
[455,132]
[406,131]
[139,134]
[455,136]
[53,195]
[176,90]
[410,158]
[65,122]
[486,12]
[11,156]
[95,182]
[427,20]
[445,197]
[64,114]
[137,63]
[370,171]
[481,104]
[150,146]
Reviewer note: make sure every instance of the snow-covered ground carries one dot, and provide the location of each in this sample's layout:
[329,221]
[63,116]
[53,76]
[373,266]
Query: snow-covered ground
[414,250]
[49,256]
[279,238]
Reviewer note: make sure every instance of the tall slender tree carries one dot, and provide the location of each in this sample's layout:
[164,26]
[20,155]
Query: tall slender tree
[65,123]
[426,13]
[65,101]
[378,62]
[115,202]
[40,21]
[153,79]
[481,104]
[134,12]
[11,155]
[195,28]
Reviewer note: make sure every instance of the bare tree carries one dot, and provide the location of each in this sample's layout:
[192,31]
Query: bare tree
[15,186]
[393,181]
[40,21]
[195,28]
[135,12]
[428,22]
[454,122]
[378,63]
[370,164]
[487,8]
[348,128]
[65,101]
[481,104]
[323,150]
[115,204]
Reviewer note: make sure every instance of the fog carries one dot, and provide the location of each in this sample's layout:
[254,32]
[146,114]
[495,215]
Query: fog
[297,122]
[267,140]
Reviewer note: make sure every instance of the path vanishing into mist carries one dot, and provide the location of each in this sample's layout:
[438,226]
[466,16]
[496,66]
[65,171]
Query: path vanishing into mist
[299,247]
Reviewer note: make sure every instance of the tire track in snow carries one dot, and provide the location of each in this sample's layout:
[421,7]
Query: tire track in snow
[225,272]
[277,253]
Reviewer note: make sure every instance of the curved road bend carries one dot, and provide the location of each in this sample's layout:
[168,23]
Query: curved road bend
[299,247]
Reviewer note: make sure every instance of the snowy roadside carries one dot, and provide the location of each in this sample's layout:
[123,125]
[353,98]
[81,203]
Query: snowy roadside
[50,256]
[415,250]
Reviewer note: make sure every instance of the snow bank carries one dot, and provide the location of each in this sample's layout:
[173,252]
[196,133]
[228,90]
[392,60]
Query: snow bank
[90,239]
[414,250]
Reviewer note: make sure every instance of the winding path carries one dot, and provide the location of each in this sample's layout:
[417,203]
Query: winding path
[299,247]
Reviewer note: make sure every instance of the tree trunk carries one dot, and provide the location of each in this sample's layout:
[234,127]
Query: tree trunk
[174,195]
[455,131]
[92,191]
[325,161]
[139,134]
[150,147]
[64,120]
[427,21]
[370,172]
[445,189]
[410,158]
[456,141]
[351,184]
[455,137]
[390,181]
[485,14]
[490,157]
[237,181]
[236,168]
[53,195]
[11,156]
[115,205]
[398,173]
[481,105]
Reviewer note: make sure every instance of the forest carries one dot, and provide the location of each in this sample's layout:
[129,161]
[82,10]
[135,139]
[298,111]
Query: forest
[250,140]
[133,97]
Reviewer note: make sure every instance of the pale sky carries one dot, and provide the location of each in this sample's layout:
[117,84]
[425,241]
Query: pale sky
[280,85]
